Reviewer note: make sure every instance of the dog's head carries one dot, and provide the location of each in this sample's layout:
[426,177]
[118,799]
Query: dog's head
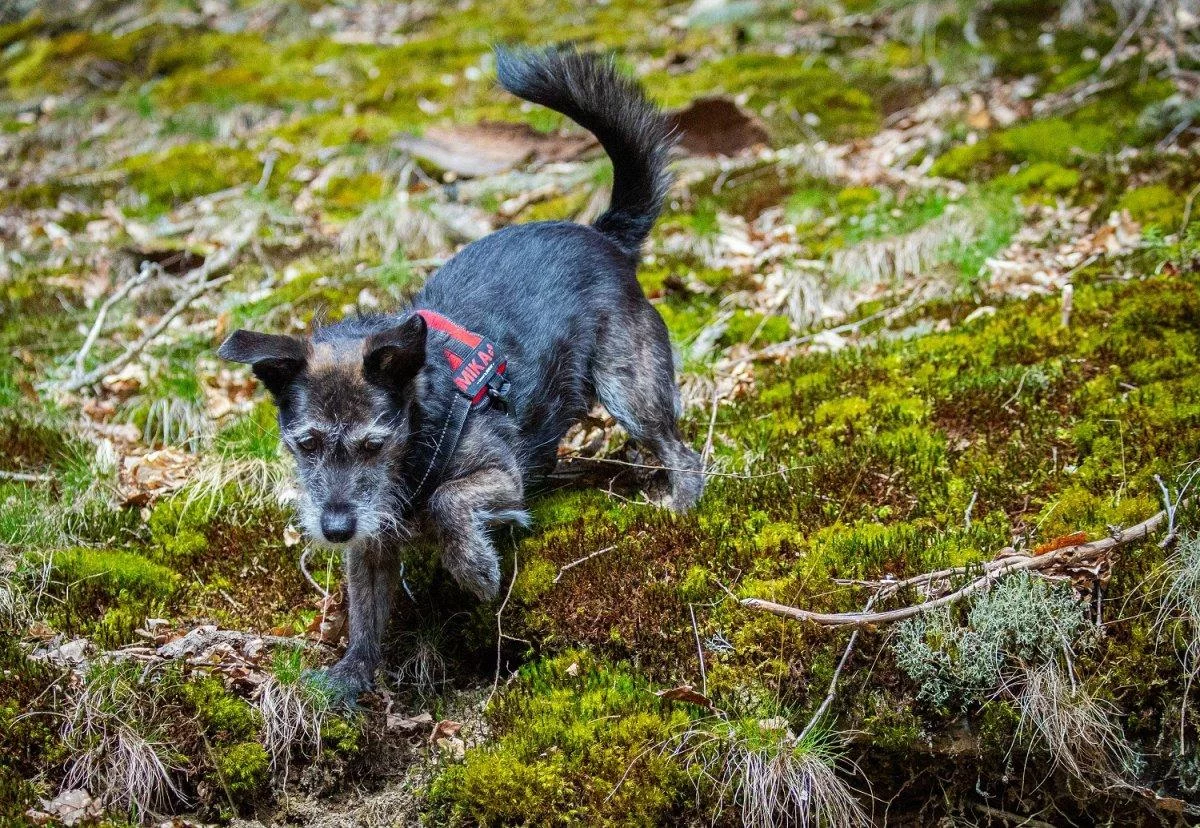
[345,408]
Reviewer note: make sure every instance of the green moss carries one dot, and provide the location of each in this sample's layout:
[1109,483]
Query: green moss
[113,573]
[177,529]
[576,744]
[224,715]
[1051,141]
[346,196]
[244,770]
[790,84]
[535,578]
[172,176]
[29,729]
[1041,177]
[1156,205]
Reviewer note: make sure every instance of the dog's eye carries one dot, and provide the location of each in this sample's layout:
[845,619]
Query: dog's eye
[371,445]
[308,443]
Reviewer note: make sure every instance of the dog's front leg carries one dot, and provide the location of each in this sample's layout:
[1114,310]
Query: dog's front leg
[371,571]
[463,509]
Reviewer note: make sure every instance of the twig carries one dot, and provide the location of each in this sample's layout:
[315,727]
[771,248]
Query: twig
[308,575]
[25,477]
[993,571]
[1013,819]
[584,559]
[970,506]
[201,284]
[706,473]
[147,270]
[700,652]
[500,630]
[828,700]
[712,424]
[1114,53]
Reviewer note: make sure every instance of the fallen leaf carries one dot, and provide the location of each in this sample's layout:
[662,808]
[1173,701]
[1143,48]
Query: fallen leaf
[445,729]
[493,147]
[409,724]
[716,125]
[685,693]
[73,807]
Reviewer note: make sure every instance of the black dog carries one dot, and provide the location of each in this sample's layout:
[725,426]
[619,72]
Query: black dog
[394,418]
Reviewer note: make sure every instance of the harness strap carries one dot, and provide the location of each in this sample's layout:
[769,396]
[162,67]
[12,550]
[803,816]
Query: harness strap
[478,370]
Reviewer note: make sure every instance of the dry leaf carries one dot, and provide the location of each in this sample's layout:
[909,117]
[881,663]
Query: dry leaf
[685,693]
[716,125]
[492,147]
[409,724]
[446,729]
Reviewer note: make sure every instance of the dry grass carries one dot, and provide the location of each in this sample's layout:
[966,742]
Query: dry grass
[424,668]
[259,483]
[294,708]
[1179,610]
[1079,731]
[761,768]
[116,754]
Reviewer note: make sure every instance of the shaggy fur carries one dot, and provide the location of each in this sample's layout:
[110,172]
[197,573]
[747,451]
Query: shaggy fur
[361,402]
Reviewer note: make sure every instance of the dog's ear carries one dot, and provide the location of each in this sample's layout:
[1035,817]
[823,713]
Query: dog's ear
[276,360]
[392,358]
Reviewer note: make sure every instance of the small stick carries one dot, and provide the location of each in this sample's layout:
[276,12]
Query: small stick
[25,477]
[970,506]
[500,630]
[584,559]
[143,276]
[828,700]
[700,652]
[308,575]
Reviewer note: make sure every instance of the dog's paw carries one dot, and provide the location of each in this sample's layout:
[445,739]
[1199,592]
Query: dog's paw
[342,683]
[483,582]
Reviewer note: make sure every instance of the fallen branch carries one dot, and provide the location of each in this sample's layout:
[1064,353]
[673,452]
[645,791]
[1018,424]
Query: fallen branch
[992,571]
[829,696]
[25,477]
[200,283]
[147,270]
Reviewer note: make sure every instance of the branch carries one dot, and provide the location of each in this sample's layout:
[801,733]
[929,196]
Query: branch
[25,477]
[200,284]
[993,571]
[143,276]
[828,700]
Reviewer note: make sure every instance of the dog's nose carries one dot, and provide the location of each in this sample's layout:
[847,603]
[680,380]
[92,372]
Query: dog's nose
[337,525]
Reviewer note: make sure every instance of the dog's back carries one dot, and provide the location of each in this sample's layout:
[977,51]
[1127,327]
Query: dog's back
[559,297]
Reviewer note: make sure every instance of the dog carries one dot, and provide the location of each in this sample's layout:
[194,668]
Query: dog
[443,414]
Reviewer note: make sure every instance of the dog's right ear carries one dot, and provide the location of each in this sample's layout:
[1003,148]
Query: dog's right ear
[276,360]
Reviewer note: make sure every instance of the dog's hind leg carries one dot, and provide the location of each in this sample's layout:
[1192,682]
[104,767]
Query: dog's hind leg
[634,377]
[462,510]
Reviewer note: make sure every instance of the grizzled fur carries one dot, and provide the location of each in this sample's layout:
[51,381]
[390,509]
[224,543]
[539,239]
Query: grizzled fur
[362,402]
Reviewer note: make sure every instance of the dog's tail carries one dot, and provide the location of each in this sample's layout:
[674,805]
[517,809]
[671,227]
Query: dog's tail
[590,91]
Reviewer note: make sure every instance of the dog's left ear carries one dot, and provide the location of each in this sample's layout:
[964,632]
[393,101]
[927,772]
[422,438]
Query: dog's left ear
[392,358]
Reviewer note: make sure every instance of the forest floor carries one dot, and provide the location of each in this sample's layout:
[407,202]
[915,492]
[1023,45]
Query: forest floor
[933,274]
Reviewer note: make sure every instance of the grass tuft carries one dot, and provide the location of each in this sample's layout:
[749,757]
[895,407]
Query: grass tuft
[294,709]
[774,777]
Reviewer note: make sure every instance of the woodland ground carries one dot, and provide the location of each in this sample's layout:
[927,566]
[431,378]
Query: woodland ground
[932,271]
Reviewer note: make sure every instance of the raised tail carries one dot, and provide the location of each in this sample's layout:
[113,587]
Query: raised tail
[590,91]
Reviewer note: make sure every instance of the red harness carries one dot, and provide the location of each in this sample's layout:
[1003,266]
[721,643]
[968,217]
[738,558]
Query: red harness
[478,369]
[475,362]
